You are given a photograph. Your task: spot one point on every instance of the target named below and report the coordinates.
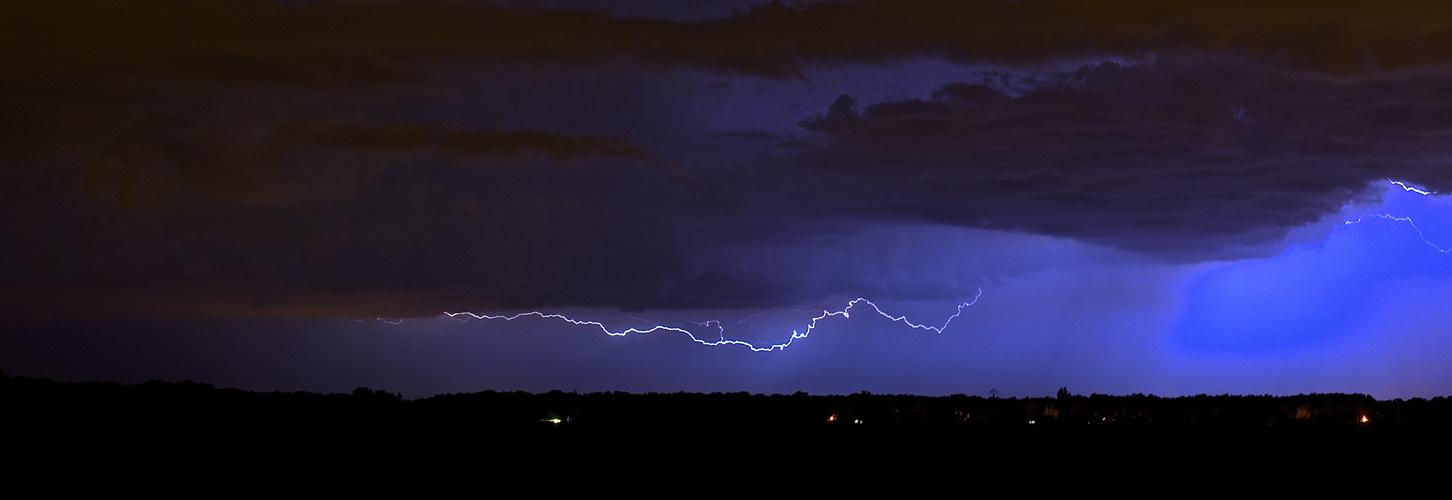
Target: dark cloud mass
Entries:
(335, 42)
(402, 158)
(1183, 154)
(404, 137)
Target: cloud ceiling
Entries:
(400, 158)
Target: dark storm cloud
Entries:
(1188, 153)
(334, 158)
(168, 197)
(505, 144)
(403, 241)
(362, 43)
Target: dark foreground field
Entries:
(195, 429)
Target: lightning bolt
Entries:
(394, 322)
(845, 312)
(721, 327)
(1413, 189)
(1408, 220)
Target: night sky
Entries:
(1143, 196)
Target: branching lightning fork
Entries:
(845, 312)
(1408, 220)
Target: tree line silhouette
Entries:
(190, 426)
(44, 400)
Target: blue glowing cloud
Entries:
(1312, 293)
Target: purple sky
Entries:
(1152, 197)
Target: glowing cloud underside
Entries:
(1315, 295)
(845, 313)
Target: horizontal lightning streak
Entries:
(812, 325)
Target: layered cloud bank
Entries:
(403, 158)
